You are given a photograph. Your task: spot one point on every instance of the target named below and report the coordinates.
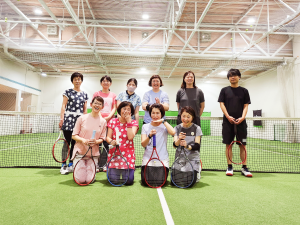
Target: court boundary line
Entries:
(164, 205)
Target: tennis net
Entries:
(273, 144)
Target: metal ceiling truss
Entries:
(170, 27)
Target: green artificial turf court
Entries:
(43, 196)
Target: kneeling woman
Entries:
(161, 129)
(128, 129)
(82, 133)
(188, 135)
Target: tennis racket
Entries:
(60, 149)
(102, 160)
(182, 173)
(85, 169)
(155, 172)
(117, 167)
(236, 149)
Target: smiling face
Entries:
(155, 83)
(155, 114)
(77, 82)
(186, 119)
(126, 110)
(189, 79)
(105, 84)
(96, 106)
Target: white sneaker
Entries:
(70, 169)
(64, 170)
(246, 172)
(104, 169)
(229, 172)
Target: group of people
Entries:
(78, 126)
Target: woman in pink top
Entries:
(128, 129)
(108, 111)
(83, 130)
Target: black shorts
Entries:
(228, 132)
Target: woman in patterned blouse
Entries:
(74, 105)
(130, 96)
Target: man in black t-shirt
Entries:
(234, 101)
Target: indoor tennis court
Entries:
(43, 42)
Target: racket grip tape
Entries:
(154, 140)
(93, 135)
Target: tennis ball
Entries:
(246, 29)
(250, 25)
(231, 38)
(5, 19)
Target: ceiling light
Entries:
(143, 69)
(145, 35)
(223, 73)
(38, 12)
(43, 74)
(145, 16)
(251, 20)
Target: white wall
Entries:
(52, 89)
(265, 95)
(18, 73)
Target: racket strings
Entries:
(182, 173)
(61, 151)
(84, 171)
(118, 170)
(155, 173)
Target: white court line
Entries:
(275, 152)
(164, 205)
(24, 146)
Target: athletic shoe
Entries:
(229, 172)
(104, 169)
(70, 168)
(64, 169)
(246, 172)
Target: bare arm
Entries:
(144, 104)
(62, 111)
(224, 110)
(85, 108)
(136, 113)
(166, 106)
(241, 119)
(111, 113)
(170, 129)
(202, 106)
(131, 132)
(80, 139)
(178, 105)
(146, 139)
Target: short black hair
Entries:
(105, 77)
(99, 99)
(153, 77)
(233, 72)
(189, 110)
(76, 74)
(157, 106)
(134, 81)
(124, 104)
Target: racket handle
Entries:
(93, 135)
(154, 140)
(117, 136)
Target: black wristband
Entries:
(148, 107)
(175, 144)
(149, 136)
(195, 146)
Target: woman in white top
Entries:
(161, 129)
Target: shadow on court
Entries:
(49, 172)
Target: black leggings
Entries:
(68, 137)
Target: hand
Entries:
(157, 100)
(231, 119)
(92, 142)
(182, 136)
(60, 124)
(152, 132)
(158, 121)
(113, 143)
(85, 141)
(239, 120)
(127, 116)
(183, 143)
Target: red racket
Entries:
(60, 149)
(236, 151)
(155, 172)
